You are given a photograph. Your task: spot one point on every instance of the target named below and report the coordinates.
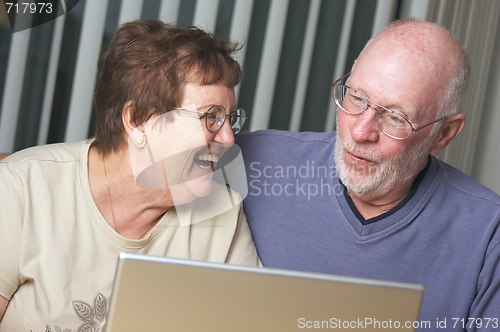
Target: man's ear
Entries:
(133, 131)
(449, 131)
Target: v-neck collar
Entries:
(397, 216)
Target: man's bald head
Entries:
(431, 51)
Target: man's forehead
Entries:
(403, 52)
(397, 84)
(379, 64)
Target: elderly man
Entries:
(372, 200)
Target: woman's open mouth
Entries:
(206, 161)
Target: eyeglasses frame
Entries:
(225, 116)
(337, 83)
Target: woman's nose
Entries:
(225, 133)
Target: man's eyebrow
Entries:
(399, 110)
(392, 107)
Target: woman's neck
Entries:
(130, 210)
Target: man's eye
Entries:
(355, 99)
(396, 119)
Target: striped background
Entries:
(293, 50)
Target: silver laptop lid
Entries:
(164, 294)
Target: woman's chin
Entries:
(200, 186)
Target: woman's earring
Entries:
(141, 141)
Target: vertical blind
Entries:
(292, 51)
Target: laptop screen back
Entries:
(159, 294)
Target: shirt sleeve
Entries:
(242, 251)
(484, 314)
(11, 224)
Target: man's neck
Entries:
(370, 208)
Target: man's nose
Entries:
(365, 128)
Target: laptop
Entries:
(165, 294)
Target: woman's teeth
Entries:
(207, 161)
(207, 157)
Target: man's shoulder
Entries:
(280, 141)
(272, 135)
(466, 186)
(286, 149)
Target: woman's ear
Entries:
(135, 133)
(448, 132)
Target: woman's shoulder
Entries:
(58, 152)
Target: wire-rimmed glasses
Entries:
(216, 116)
(390, 123)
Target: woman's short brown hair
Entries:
(148, 63)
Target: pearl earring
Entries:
(141, 141)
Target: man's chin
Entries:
(358, 188)
(363, 185)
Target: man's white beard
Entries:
(382, 178)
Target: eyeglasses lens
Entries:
(237, 120)
(393, 124)
(215, 118)
(351, 102)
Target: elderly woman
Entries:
(166, 112)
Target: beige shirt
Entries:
(58, 255)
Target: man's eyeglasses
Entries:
(390, 123)
(216, 115)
